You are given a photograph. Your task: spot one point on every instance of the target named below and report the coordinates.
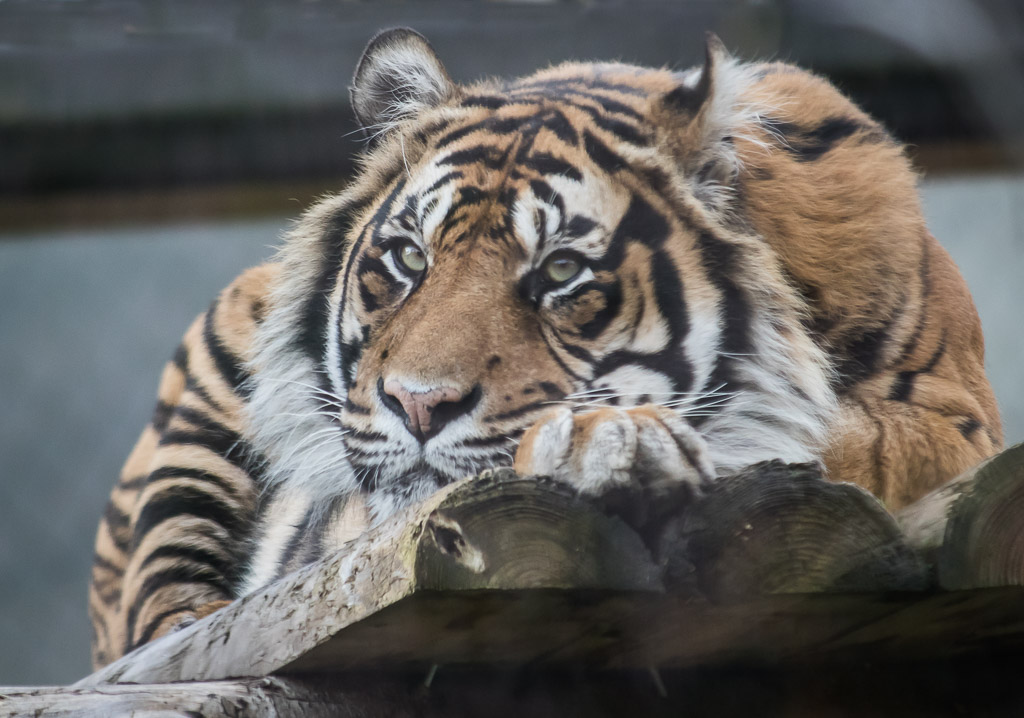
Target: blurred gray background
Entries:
(149, 151)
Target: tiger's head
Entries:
(568, 237)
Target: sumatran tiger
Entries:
(607, 274)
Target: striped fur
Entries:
(751, 278)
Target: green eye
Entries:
(561, 267)
(412, 257)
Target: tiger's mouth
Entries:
(422, 465)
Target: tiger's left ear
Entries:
(398, 76)
(702, 112)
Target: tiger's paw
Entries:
(603, 451)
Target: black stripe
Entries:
(210, 435)
(668, 294)
(622, 130)
(582, 86)
(575, 351)
(351, 351)
(551, 390)
(808, 145)
(312, 331)
(147, 634)
(719, 259)
(373, 265)
(133, 484)
(556, 121)
(558, 360)
(578, 226)
(161, 415)
(224, 565)
(493, 125)
(105, 565)
(490, 102)
(173, 576)
(641, 223)
(614, 106)
(601, 155)
(485, 441)
(120, 525)
(515, 413)
(354, 408)
(192, 385)
(548, 164)
(904, 383)
(486, 155)
(190, 501)
(469, 195)
(180, 359)
(720, 262)
(190, 472)
(228, 365)
(546, 193)
(296, 539)
(368, 436)
(445, 179)
(860, 356)
(612, 294)
(968, 426)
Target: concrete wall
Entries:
(87, 320)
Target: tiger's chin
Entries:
(389, 494)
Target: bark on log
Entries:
(282, 698)
(972, 529)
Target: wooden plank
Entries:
(282, 698)
(637, 630)
(983, 685)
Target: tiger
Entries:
(615, 276)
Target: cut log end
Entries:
(983, 545)
(778, 528)
(506, 531)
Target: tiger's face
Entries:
(555, 243)
(514, 264)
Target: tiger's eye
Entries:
(561, 268)
(412, 257)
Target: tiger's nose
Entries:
(426, 412)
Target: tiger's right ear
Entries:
(398, 77)
(704, 112)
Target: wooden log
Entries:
(496, 531)
(510, 570)
(972, 529)
(777, 528)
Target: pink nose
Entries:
(419, 407)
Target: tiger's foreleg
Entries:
(901, 450)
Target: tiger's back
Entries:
(753, 278)
(885, 299)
